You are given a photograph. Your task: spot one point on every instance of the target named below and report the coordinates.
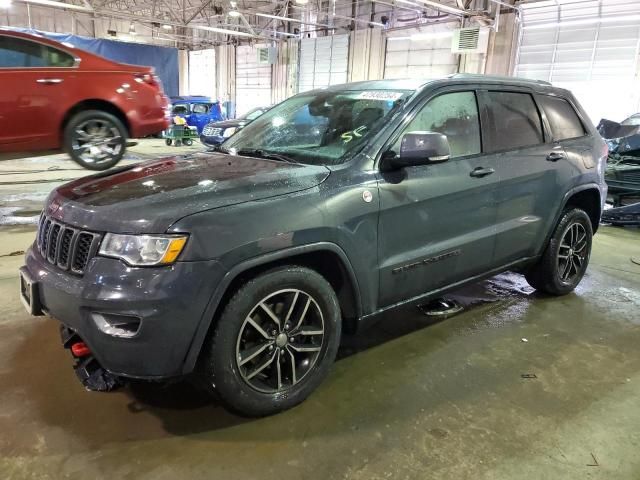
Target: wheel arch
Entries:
(328, 259)
(95, 104)
(588, 199)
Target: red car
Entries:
(54, 96)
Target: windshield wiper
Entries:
(259, 153)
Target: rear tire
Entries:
(565, 260)
(294, 353)
(95, 140)
(188, 142)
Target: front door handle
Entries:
(555, 156)
(49, 81)
(481, 172)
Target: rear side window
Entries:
(20, 53)
(516, 120)
(563, 120)
(200, 108)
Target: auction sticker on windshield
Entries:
(383, 95)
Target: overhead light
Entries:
(302, 2)
(132, 29)
(167, 27)
(234, 13)
(5, 3)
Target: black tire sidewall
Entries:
(87, 115)
(221, 368)
(552, 279)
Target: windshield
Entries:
(324, 128)
(253, 114)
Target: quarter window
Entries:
(454, 115)
(563, 120)
(20, 53)
(516, 121)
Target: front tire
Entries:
(565, 260)
(95, 140)
(274, 342)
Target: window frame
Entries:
(554, 140)
(417, 108)
(491, 131)
(76, 59)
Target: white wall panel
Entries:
(590, 47)
(421, 52)
(323, 61)
(253, 80)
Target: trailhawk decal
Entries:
(426, 261)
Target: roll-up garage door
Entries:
(323, 61)
(202, 73)
(590, 47)
(422, 52)
(253, 79)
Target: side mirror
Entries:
(421, 148)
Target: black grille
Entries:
(66, 247)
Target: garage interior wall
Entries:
(323, 61)
(423, 52)
(202, 73)
(366, 55)
(591, 47)
(253, 79)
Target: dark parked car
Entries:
(245, 265)
(217, 132)
(197, 110)
(55, 96)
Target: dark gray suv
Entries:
(243, 266)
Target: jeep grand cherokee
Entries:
(243, 266)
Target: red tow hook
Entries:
(80, 349)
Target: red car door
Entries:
(33, 94)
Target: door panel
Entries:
(436, 227)
(28, 110)
(437, 221)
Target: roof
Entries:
(417, 83)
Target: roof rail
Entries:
(499, 78)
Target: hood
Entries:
(149, 197)
(236, 122)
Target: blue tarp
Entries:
(163, 59)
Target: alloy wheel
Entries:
(573, 252)
(280, 340)
(97, 141)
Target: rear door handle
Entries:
(49, 81)
(481, 172)
(555, 156)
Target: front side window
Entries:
(325, 128)
(515, 119)
(21, 53)
(454, 115)
(563, 120)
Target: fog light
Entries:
(122, 326)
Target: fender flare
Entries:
(214, 302)
(565, 200)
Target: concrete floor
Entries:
(408, 399)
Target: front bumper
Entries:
(211, 141)
(169, 301)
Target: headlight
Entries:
(143, 250)
(228, 132)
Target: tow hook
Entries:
(88, 370)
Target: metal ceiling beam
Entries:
(287, 19)
(204, 5)
(446, 8)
